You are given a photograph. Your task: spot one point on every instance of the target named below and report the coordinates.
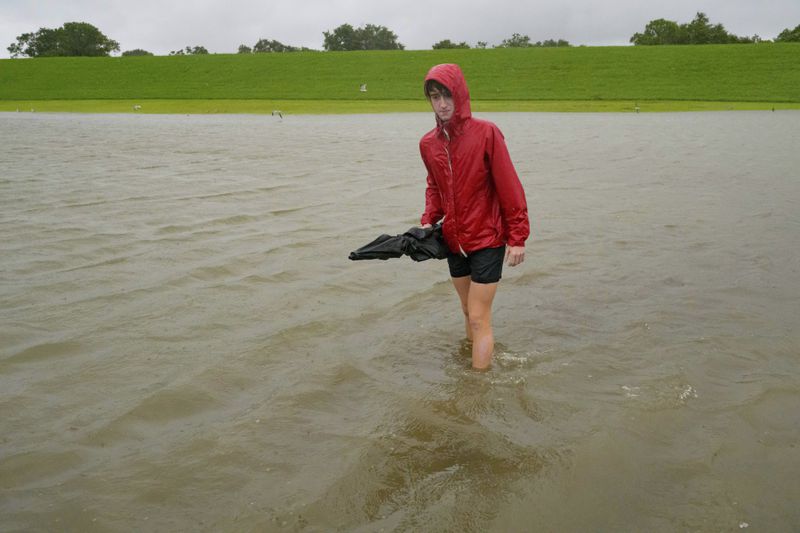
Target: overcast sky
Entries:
(221, 26)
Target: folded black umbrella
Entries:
(417, 243)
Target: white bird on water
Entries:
(277, 112)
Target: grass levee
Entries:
(658, 78)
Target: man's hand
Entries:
(426, 226)
(514, 255)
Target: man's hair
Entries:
(433, 84)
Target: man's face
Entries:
(442, 105)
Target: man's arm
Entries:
(433, 199)
(513, 205)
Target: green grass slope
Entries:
(766, 73)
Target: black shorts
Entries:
(483, 266)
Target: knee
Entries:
(478, 321)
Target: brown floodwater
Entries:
(184, 345)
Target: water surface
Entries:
(185, 346)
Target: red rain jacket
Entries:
(471, 179)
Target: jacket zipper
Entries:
(452, 188)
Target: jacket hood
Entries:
(450, 75)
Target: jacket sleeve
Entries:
(513, 205)
(433, 199)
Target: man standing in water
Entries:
(473, 185)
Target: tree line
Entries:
(71, 39)
(699, 31)
(84, 39)
(515, 41)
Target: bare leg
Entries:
(479, 305)
(462, 288)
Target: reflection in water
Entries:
(442, 463)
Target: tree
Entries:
(374, 37)
(244, 49)
(701, 31)
(481, 44)
(789, 36)
(266, 46)
(83, 39)
(190, 51)
(39, 44)
(659, 31)
(516, 41)
(136, 52)
(447, 43)
(552, 43)
(340, 39)
(369, 37)
(71, 39)
(698, 31)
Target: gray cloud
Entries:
(160, 26)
